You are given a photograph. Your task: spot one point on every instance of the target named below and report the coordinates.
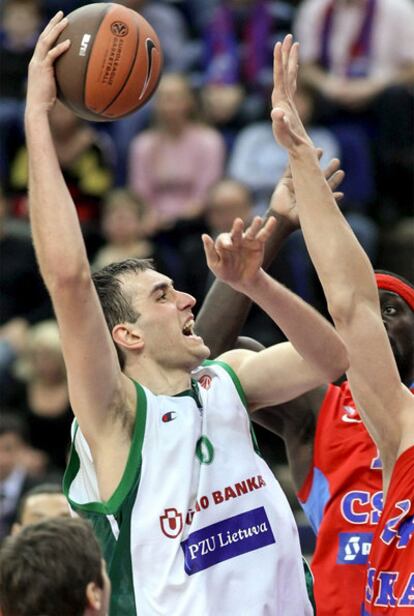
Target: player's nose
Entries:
(185, 300)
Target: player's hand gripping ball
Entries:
(113, 65)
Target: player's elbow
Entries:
(334, 361)
(67, 278)
(341, 305)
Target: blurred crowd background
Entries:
(200, 153)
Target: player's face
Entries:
(166, 321)
(399, 322)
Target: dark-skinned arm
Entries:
(224, 311)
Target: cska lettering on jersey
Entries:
(226, 539)
(394, 588)
(386, 595)
(358, 507)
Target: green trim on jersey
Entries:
(116, 551)
(132, 468)
(233, 375)
(240, 391)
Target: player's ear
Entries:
(128, 336)
(94, 596)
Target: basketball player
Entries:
(53, 567)
(333, 461)
(163, 461)
(383, 402)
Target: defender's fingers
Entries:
(292, 69)
(286, 47)
(335, 179)
(332, 167)
(236, 232)
(209, 249)
(252, 231)
(267, 229)
(338, 196)
(278, 85)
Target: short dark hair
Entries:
(116, 305)
(42, 488)
(45, 569)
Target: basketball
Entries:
(113, 64)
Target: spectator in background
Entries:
(180, 54)
(23, 296)
(45, 500)
(38, 391)
(86, 158)
(15, 481)
(259, 161)
(173, 164)
(227, 199)
(54, 567)
(127, 232)
(359, 57)
(238, 41)
(20, 24)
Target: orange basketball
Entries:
(113, 64)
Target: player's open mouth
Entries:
(188, 329)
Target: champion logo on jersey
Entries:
(170, 416)
(205, 381)
(351, 415)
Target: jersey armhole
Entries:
(242, 395)
(132, 468)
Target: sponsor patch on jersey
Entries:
(226, 539)
(354, 548)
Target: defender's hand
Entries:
(237, 257)
(287, 126)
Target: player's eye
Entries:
(389, 310)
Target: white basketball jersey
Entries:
(198, 524)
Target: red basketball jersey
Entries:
(342, 498)
(390, 575)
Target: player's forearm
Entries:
(56, 232)
(342, 266)
(312, 335)
(224, 310)
(221, 317)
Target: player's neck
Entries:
(159, 379)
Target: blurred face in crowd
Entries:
(174, 100)
(228, 200)
(11, 449)
(122, 223)
(21, 21)
(63, 121)
(41, 506)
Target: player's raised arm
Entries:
(346, 275)
(94, 373)
(224, 310)
(315, 353)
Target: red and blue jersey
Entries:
(390, 575)
(342, 497)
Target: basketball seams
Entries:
(131, 69)
(109, 70)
